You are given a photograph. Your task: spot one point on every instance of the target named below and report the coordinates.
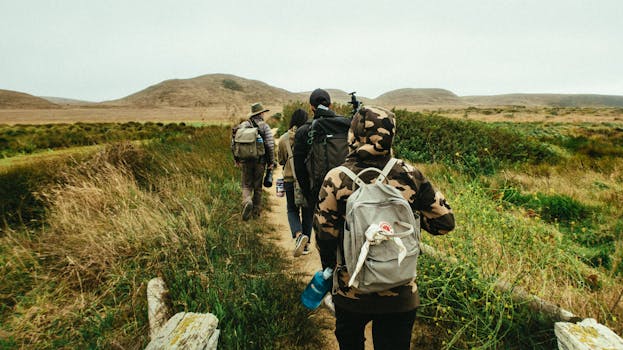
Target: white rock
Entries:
(187, 330)
(157, 311)
(586, 335)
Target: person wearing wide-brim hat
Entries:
(253, 169)
(256, 109)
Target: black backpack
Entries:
(328, 141)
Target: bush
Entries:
(552, 208)
(290, 107)
(232, 85)
(26, 139)
(470, 146)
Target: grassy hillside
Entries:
(411, 97)
(18, 100)
(111, 222)
(205, 91)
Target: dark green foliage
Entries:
(550, 207)
(288, 110)
(19, 185)
(470, 146)
(26, 139)
(576, 222)
(290, 107)
(232, 85)
(474, 314)
(18, 279)
(591, 140)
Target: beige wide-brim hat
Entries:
(256, 109)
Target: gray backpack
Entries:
(381, 234)
(248, 142)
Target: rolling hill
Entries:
(412, 97)
(19, 100)
(226, 90)
(205, 91)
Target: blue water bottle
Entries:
(319, 285)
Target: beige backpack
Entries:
(248, 142)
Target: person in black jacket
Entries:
(320, 103)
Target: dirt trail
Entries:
(305, 265)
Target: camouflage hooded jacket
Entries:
(370, 139)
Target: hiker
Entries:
(299, 216)
(253, 147)
(391, 310)
(325, 135)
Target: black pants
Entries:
(389, 331)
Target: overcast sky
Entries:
(101, 50)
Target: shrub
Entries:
(26, 139)
(471, 146)
(232, 85)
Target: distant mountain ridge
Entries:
(20, 100)
(66, 101)
(226, 89)
(554, 100)
(230, 90)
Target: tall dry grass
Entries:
(127, 215)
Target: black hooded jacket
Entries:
(300, 151)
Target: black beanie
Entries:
(320, 97)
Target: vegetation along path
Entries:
(305, 265)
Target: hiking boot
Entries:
(246, 211)
(299, 245)
(306, 249)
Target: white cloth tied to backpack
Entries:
(377, 234)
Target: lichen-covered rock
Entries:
(187, 330)
(586, 335)
(157, 310)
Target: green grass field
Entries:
(537, 205)
(76, 277)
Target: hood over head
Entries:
(371, 133)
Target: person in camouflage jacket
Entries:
(393, 311)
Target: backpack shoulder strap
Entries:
(254, 123)
(290, 157)
(313, 130)
(386, 169)
(382, 173)
(356, 180)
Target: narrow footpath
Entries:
(304, 266)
